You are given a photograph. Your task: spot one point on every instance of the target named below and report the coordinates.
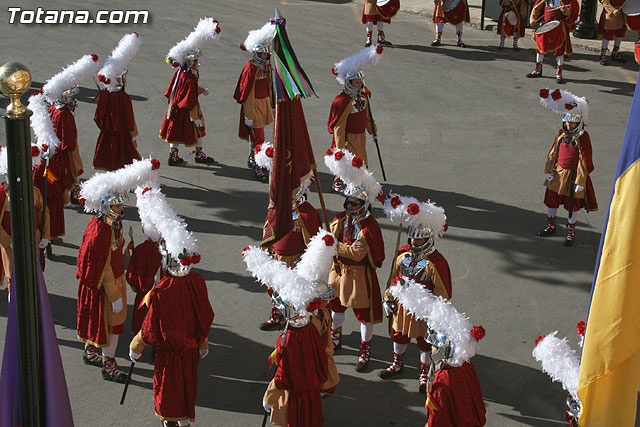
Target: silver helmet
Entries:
(349, 88)
(573, 117)
(107, 203)
(325, 292)
(191, 58)
(360, 194)
(121, 80)
(294, 319)
(171, 264)
(68, 98)
(421, 233)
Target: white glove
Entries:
(579, 188)
(43, 243)
(248, 122)
(387, 308)
(204, 352)
(116, 306)
(198, 123)
(205, 92)
(134, 356)
(9, 297)
(133, 139)
(267, 406)
(548, 176)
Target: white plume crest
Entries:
(120, 57)
(159, 221)
(559, 361)
(429, 215)
(137, 174)
(69, 77)
(315, 263)
(440, 315)
(261, 37)
(368, 56)
(351, 175)
(566, 103)
(43, 126)
(208, 29)
(261, 157)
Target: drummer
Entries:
(454, 12)
(565, 12)
(612, 26)
(512, 21)
(378, 12)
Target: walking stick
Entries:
(375, 138)
(126, 384)
(264, 419)
(572, 191)
(44, 206)
(395, 254)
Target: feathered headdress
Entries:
(295, 286)
(140, 173)
(47, 140)
(366, 57)
(562, 101)
(559, 361)
(412, 212)
(160, 222)
(351, 169)
(117, 62)
(262, 37)
(441, 316)
(208, 29)
(264, 155)
(69, 77)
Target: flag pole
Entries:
(15, 80)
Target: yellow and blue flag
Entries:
(608, 382)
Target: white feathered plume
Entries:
(441, 316)
(366, 57)
(317, 260)
(262, 37)
(264, 155)
(69, 77)
(42, 126)
(208, 29)
(562, 101)
(411, 211)
(117, 62)
(140, 173)
(559, 361)
(351, 169)
(159, 221)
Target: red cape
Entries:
(303, 369)
(439, 262)
(457, 397)
(141, 271)
(92, 257)
(178, 321)
(293, 242)
(338, 106)
(178, 127)
(115, 119)
(245, 82)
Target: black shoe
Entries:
(618, 57)
(48, 251)
(435, 43)
(384, 43)
(361, 367)
(175, 161)
(385, 373)
(569, 242)
(534, 74)
(460, 43)
(500, 47)
(559, 80)
(205, 160)
(422, 389)
(271, 326)
(516, 49)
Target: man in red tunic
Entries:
(143, 266)
(569, 164)
(177, 324)
(254, 92)
(420, 261)
(64, 166)
(102, 293)
(374, 15)
(360, 253)
(613, 26)
(512, 9)
(440, 17)
(184, 122)
(545, 11)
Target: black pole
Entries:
(587, 27)
(24, 279)
(482, 14)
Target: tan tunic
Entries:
(611, 21)
(561, 182)
(354, 142)
(259, 110)
(114, 288)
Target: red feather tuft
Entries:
(155, 164)
(544, 93)
(328, 240)
(94, 57)
(333, 71)
(379, 50)
(556, 94)
(540, 338)
(478, 333)
(413, 209)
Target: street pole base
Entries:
(586, 30)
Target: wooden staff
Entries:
(336, 263)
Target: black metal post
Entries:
(587, 26)
(25, 279)
(484, 2)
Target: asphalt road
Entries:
(462, 127)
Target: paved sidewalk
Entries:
(425, 8)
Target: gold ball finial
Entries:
(15, 79)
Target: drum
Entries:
(454, 10)
(631, 10)
(549, 37)
(510, 22)
(387, 8)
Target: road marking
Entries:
(627, 75)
